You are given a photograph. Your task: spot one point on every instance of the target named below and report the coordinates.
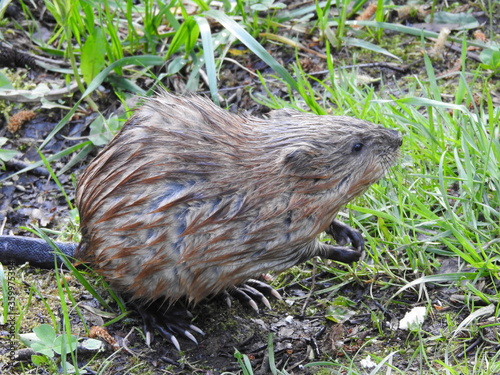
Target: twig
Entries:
(19, 165)
(28, 96)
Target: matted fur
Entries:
(190, 200)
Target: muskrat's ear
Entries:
(300, 160)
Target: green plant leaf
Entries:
(143, 60)
(244, 362)
(187, 36)
(3, 6)
(176, 65)
(270, 351)
(425, 102)
(490, 59)
(51, 158)
(46, 334)
(93, 344)
(28, 338)
(93, 54)
(41, 340)
(5, 82)
(464, 20)
(40, 360)
(103, 130)
(339, 313)
(353, 42)
(245, 38)
(449, 277)
(410, 31)
(61, 344)
(42, 349)
(6, 155)
(124, 84)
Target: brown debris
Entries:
(367, 13)
(17, 120)
(411, 11)
(437, 49)
(103, 333)
(454, 69)
(478, 35)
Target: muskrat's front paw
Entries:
(252, 292)
(342, 254)
(170, 323)
(343, 234)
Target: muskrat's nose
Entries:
(397, 134)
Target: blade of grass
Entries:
(353, 42)
(270, 350)
(5, 294)
(50, 159)
(245, 38)
(56, 180)
(412, 31)
(449, 277)
(208, 56)
(483, 311)
(69, 265)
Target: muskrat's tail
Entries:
(35, 251)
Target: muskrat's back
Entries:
(189, 200)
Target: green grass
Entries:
(442, 202)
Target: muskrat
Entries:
(189, 200)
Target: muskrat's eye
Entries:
(357, 147)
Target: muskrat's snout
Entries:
(393, 139)
(398, 136)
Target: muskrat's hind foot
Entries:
(343, 234)
(252, 292)
(170, 322)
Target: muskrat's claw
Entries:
(264, 288)
(248, 296)
(241, 296)
(252, 292)
(343, 233)
(176, 325)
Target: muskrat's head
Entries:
(337, 155)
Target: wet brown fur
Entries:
(189, 200)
